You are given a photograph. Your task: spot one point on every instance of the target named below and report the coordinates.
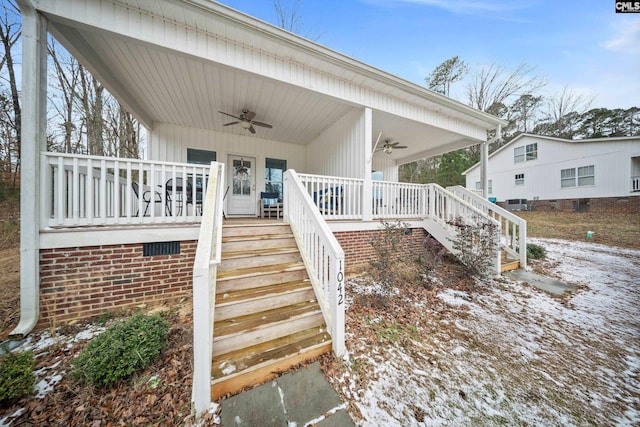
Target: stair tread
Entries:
(234, 297)
(256, 271)
(250, 322)
(259, 252)
(237, 362)
(247, 237)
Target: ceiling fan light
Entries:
(387, 149)
(245, 124)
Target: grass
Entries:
(612, 229)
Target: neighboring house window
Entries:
(519, 179)
(532, 151)
(526, 153)
(273, 176)
(586, 175)
(518, 154)
(568, 178)
(201, 157)
(479, 186)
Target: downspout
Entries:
(32, 142)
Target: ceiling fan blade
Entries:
(230, 115)
(230, 123)
(400, 146)
(251, 129)
(394, 144)
(264, 125)
(249, 115)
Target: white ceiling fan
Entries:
(246, 120)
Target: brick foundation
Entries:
(80, 283)
(629, 204)
(358, 250)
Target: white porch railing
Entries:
(335, 197)
(79, 190)
(445, 207)
(207, 259)
(321, 252)
(513, 236)
(635, 184)
(398, 200)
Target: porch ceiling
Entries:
(164, 85)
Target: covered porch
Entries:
(234, 107)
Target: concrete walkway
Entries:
(297, 399)
(547, 284)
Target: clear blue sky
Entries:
(584, 45)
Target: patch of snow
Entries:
(227, 367)
(6, 421)
(516, 355)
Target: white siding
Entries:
(169, 143)
(612, 161)
(388, 167)
(339, 151)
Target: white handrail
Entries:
(513, 237)
(80, 190)
(444, 208)
(321, 253)
(207, 259)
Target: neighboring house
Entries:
(548, 173)
(233, 107)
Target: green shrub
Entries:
(535, 251)
(122, 349)
(16, 375)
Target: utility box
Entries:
(516, 205)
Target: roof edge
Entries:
(554, 138)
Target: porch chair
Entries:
(146, 198)
(270, 204)
(329, 201)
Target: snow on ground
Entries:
(510, 354)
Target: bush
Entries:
(16, 375)
(535, 251)
(386, 265)
(122, 349)
(476, 245)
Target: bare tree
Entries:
(10, 32)
(67, 73)
(491, 88)
(564, 111)
(288, 17)
(91, 99)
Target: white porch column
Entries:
(367, 187)
(32, 142)
(484, 154)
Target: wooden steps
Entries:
(267, 318)
(508, 264)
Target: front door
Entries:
(242, 179)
